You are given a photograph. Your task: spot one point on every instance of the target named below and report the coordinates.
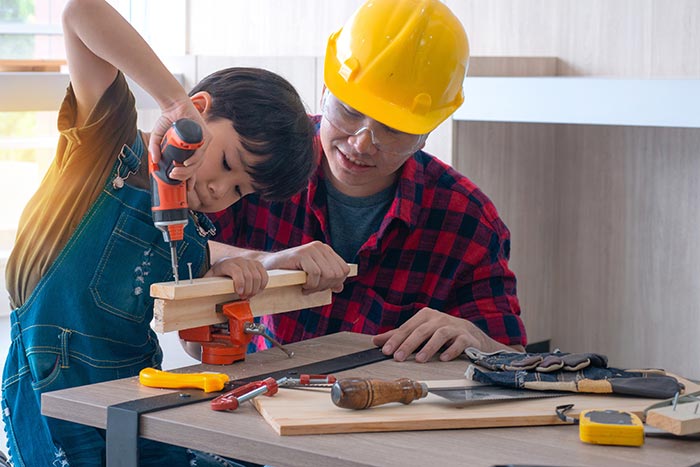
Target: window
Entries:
(31, 43)
(31, 29)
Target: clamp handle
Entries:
(233, 399)
(207, 382)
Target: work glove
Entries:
(543, 362)
(584, 372)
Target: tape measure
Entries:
(612, 427)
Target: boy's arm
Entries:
(99, 41)
(325, 269)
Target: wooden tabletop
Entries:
(245, 435)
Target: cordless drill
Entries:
(168, 196)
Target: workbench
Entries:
(245, 435)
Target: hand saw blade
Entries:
(462, 397)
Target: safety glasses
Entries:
(353, 123)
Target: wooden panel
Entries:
(309, 412)
(193, 303)
(266, 27)
(514, 166)
(512, 66)
(674, 39)
(31, 65)
(173, 315)
(624, 38)
(684, 419)
(602, 222)
(207, 286)
(627, 268)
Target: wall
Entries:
(611, 210)
(624, 38)
(603, 218)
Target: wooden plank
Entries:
(207, 286)
(684, 420)
(173, 315)
(31, 65)
(297, 412)
(512, 66)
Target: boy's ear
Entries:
(202, 101)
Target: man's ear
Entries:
(202, 101)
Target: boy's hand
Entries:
(249, 276)
(173, 113)
(325, 269)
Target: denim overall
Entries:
(88, 320)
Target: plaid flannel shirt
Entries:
(440, 245)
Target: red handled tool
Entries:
(215, 382)
(168, 196)
(233, 399)
(268, 387)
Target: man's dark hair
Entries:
(271, 121)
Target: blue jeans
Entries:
(88, 321)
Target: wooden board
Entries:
(191, 304)
(305, 412)
(683, 420)
(173, 315)
(208, 286)
(31, 65)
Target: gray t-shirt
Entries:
(352, 220)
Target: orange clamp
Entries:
(228, 346)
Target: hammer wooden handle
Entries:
(362, 393)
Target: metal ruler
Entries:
(123, 418)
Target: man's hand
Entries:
(324, 268)
(249, 276)
(436, 329)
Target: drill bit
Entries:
(173, 257)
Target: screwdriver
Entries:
(168, 196)
(362, 393)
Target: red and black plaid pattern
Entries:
(441, 245)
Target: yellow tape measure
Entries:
(613, 427)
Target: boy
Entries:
(87, 250)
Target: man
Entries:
(432, 252)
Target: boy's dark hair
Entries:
(271, 121)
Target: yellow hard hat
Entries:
(400, 62)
